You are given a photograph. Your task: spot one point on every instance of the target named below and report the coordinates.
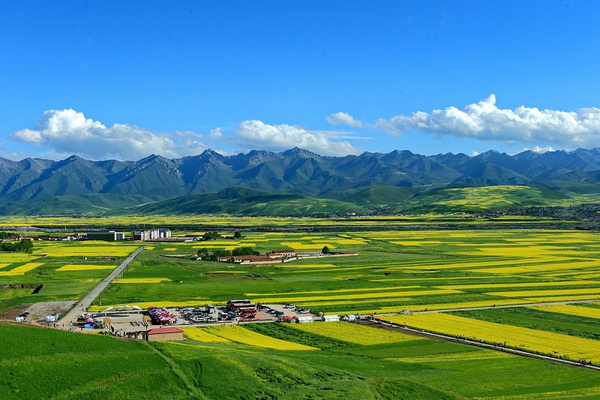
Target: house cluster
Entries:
(273, 257)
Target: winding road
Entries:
(71, 316)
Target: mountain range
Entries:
(369, 181)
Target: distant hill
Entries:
(371, 182)
(243, 201)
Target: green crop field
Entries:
(56, 364)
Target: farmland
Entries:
(395, 270)
(454, 271)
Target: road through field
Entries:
(80, 307)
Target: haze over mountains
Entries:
(369, 180)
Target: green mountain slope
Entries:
(243, 201)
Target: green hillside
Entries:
(487, 198)
(242, 201)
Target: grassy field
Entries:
(58, 364)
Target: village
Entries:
(166, 323)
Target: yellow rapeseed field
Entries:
(432, 306)
(141, 280)
(454, 357)
(514, 285)
(552, 292)
(296, 265)
(334, 291)
(578, 311)
(21, 270)
(559, 345)
(203, 336)
(87, 251)
(542, 266)
(84, 267)
(306, 246)
(14, 257)
(354, 333)
(408, 293)
(238, 334)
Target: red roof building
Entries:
(166, 333)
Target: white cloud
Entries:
(255, 134)
(538, 149)
(66, 132)
(217, 133)
(485, 121)
(342, 118)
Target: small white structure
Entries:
(51, 318)
(305, 319)
(350, 318)
(330, 318)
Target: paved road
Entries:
(80, 307)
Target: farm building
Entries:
(166, 333)
(330, 318)
(303, 319)
(279, 254)
(110, 236)
(249, 259)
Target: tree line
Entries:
(22, 246)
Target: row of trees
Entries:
(214, 235)
(213, 255)
(23, 246)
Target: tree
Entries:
(244, 251)
(211, 235)
(218, 253)
(203, 254)
(237, 235)
(325, 250)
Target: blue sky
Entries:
(127, 79)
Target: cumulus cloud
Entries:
(485, 121)
(538, 149)
(342, 118)
(66, 132)
(256, 134)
